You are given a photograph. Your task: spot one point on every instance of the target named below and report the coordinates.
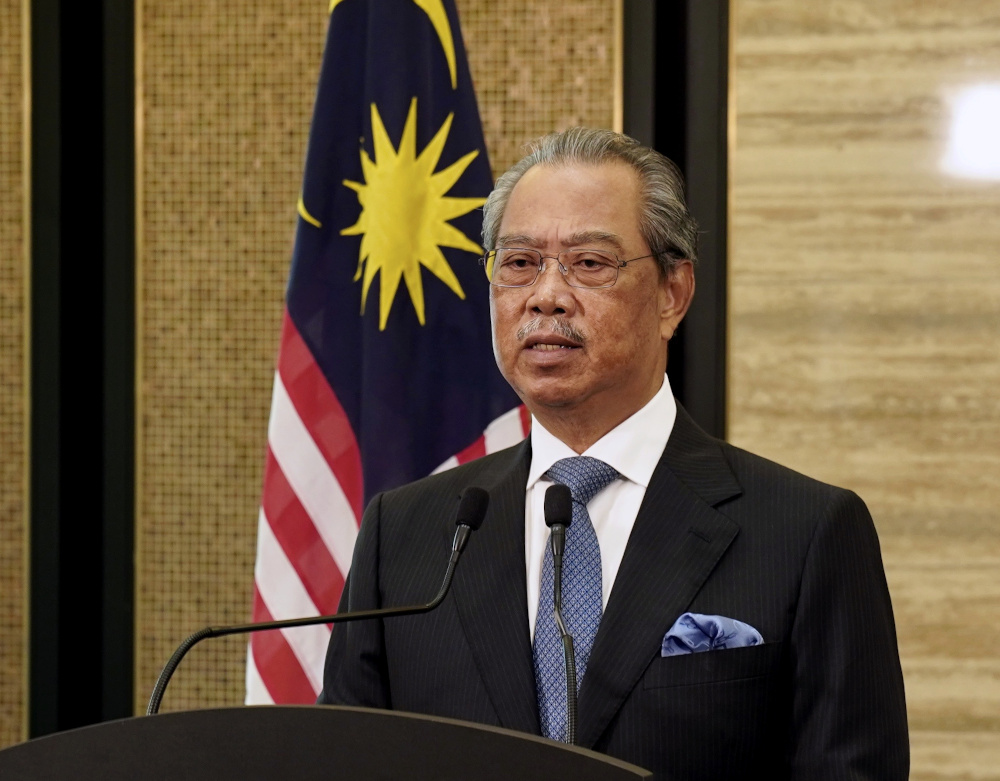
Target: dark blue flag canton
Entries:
(385, 286)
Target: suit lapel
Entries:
(676, 541)
(491, 598)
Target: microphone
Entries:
(471, 511)
(558, 516)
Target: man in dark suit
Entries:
(769, 582)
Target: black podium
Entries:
(303, 742)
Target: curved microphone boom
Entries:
(558, 516)
(471, 511)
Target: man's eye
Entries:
(519, 261)
(590, 262)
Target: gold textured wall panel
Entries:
(865, 315)
(538, 67)
(226, 93)
(13, 413)
(225, 105)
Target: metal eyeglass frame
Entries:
(564, 270)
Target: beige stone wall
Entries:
(865, 315)
(227, 91)
(13, 411)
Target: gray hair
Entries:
(664, 221)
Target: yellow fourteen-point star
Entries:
(405, 213)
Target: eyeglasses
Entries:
(520, 267)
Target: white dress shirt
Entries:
(633, 448)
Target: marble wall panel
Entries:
(865, 319)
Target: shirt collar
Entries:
(633, 447)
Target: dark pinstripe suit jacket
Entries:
(720, 531)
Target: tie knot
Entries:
(585, 476)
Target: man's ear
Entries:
(676, 292)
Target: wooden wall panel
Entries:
(865, 314)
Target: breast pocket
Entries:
(730, 664)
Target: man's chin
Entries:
(554, 399)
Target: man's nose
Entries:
(551, 292)
(552, 268)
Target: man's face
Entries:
(593, 356)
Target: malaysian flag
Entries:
(385, 371)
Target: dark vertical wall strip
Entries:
(638, 72)
(119, 355)
(81, 357)
(45, 367)
(706, 165)
(676, 96)
(81, 373)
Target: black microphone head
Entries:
(472, 507)
(558, 505)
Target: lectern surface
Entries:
(305, 742)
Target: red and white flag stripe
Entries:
(311, 508)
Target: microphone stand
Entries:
(558, 537)
(558, 516)
(470, 516)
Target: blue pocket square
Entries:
(694, 632)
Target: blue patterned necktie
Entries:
(581, 593)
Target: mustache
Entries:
(551, 325)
